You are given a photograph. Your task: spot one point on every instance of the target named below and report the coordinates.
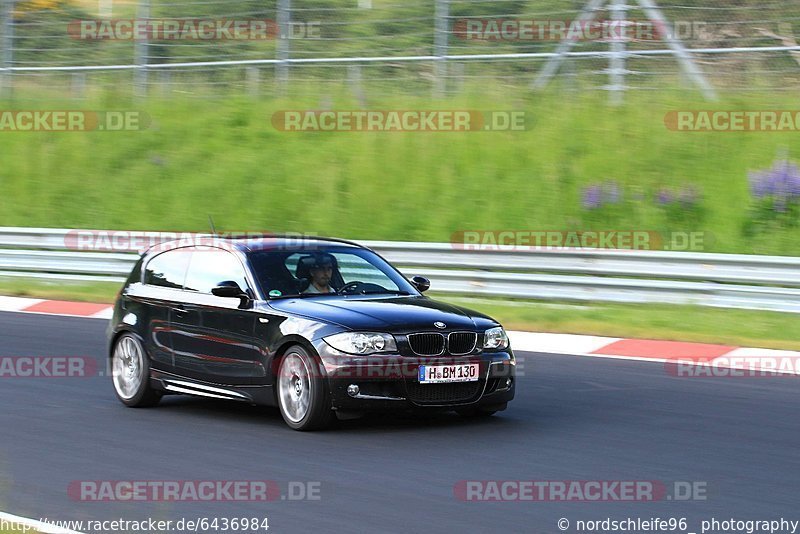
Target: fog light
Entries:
(508, 382)
(353, 390)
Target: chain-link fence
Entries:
(408, 45)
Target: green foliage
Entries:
(224, 157)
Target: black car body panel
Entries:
(409, 314)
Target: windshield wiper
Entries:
(385, 292)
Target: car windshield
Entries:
(325, 271)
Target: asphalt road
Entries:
(574, 419)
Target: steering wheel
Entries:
(362, 288)
(350, 288)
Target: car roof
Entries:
(290, 242)
(250, 243)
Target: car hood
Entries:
(394, 314)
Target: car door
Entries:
(159, 292)
(213, 336)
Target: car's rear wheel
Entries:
(302, 394)
(130, 371)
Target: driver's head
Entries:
(321, 270)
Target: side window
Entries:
(168, 269)
(209, 268)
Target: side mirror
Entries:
(421, 283)
(230, 289)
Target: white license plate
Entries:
(438, 374)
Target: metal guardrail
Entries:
(721, 280)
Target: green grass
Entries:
(685, 323)
(222, 157)
(205, 155)
(61, 290)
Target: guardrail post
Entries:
(284, 20)
(164, 82)
(78, 84)
(6, 81)
(440, 42)
(252, 80)
(616, 67)
(566, 45)
(685, 59)
(354, 79)
(140, 50)
(105, 8)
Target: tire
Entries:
(130, 373)
(303, 397)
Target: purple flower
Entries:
(788, 178)
(665, 196)
(794, 181)
(782, 182)
(592, 197)
(758, 185)
(612, 193)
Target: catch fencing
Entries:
(609, 45)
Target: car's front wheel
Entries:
(302, 396)
(130, 371)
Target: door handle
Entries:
(180, 311)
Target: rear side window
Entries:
(209, 268)
(168, 269)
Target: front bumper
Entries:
(391, 382)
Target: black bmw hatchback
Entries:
(320, 328)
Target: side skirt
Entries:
(178, 385)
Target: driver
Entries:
(321, 273)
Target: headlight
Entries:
(495, 338)
(361, 342)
